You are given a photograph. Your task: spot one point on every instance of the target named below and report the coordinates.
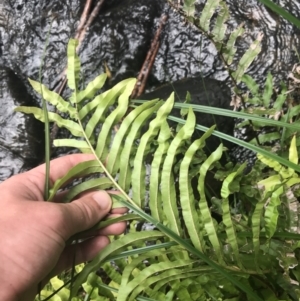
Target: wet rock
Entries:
(119, 37)
(206, 92)
(11, 164)
(21, 136)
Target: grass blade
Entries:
(281, 12)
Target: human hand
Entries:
(33, 233)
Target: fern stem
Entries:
(101, 164)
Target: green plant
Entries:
(205, 251)
(242, 244)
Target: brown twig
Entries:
(149, 61)
(83, 18)
(84, 23)
(88, 23)
(145, 72)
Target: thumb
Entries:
(85, 212)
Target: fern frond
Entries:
(247, 58)
(116, 115)
(72, 126)
(144, 136)
(190, 214)
(230, 49)
(189, 8)
(207, 13)
(129, 151)
(203, 205)
(139, 168)
(167, 183)
(113, 247)
(155, 197)
(220, 27)
(54, 98)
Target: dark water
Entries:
(120, 37)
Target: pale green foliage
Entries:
(191, 256)
(271, 105)
(276, 185)
(189, 8)
(224, 44)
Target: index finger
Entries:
(60, 166)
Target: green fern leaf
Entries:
(92, 88)
(54, 98)
(72, 126)
(133, 268)
(113, 159)
(155, 202)
(113, 119)
(189, 8)
(126, 155)
(255, 226)
(230, 231)
(92, 184)
(225, 190)
(113, 247)
(280, 98)
(247, 58)
(268, 90)
(230, 50)
(250, 83)
(165, 278)
(79, 144)
(111, 272)
(73, 70)
(167, 182)
(139, 283)
(220, 26)
(81, 169)
(139, 169)
(205, 212)
(293, 153)
(189, 211)
(271, 212)
(207, 12)
(102, 103)
(226, 217)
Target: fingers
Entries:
(114, 229)
(88, 249)
(58, 168)
(84, 213)
(31, 183)
(81, 252)
(59, 198)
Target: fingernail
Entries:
(103, 199)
